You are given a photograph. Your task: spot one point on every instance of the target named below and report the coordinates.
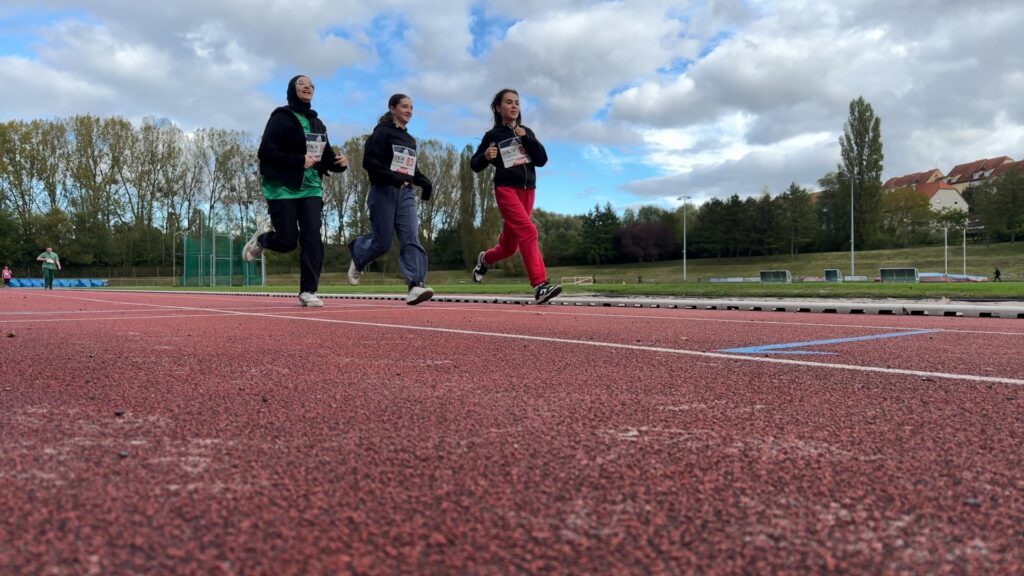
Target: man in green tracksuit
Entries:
(50, 262)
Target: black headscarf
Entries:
(294, 103)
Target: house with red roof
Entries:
(912, 180)
(965, 175)
(941, 195)
(1003, 168)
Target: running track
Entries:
(213, 434)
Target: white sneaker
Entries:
(354, 273)
(252, 249)
(310, 299)
(418, 294)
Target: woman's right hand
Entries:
(310, 161)
(492, 152)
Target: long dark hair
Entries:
(496, 102)
(388, 117)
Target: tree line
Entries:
(113, 197)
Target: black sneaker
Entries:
(480, 269)
(546, 291)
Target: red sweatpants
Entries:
(517, 232)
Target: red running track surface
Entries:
(179, 434)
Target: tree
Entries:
(861, 148)
(643, 241)
(906, 217)
(599, 227)
(797, 222)
(559, 235)
(1002, 206)
(707, 235)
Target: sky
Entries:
(638, 102)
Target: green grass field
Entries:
(665, 278)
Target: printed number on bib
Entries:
(315, 144)
(513, 153)
(404, 160)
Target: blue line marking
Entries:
(785, 348)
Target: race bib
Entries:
(315, 144)
(513, 153)
(404, 160)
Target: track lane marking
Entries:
(611, 345)
(788, 348)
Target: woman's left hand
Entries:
(519, 131)
(341, 160)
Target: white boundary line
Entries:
(610, 345)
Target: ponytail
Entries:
(388, 117)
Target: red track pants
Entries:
(517, 232)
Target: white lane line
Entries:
(169, 316)
(145, 311)
(618, 346)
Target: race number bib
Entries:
(315, 144)
(513, 153)
(404, 160)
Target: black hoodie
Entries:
(379, 158)
(523, 175)
(282, 152)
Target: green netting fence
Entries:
(216, 260)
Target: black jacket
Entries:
(521, 176)
(282, 151)
(379, 152)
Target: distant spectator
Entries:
(51, 262)
(7, 277)
(997, 277)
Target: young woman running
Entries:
(515, 153)
(294, 155)
(389, 158)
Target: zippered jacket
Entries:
(282, 152)
(389, 158)
(517, 159)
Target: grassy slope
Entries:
(665, 278)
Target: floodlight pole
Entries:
(684, 199)
(174, 256)
(965, 248)
(945, 247)
(853, 176)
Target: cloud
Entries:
(720, 96)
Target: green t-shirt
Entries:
(311, 185)
(52, 256)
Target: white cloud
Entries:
(718, 96)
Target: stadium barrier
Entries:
(60, 282)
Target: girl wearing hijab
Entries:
(389, 158)
(514, 151)
(294, 155)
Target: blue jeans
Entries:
(392, 211)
